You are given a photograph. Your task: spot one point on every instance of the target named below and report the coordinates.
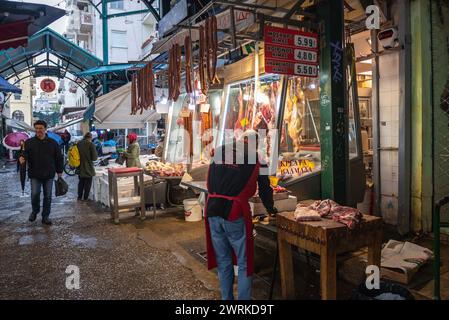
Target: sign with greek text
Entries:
(291, 52)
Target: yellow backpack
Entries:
(74, 156)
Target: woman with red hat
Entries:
(133, 152)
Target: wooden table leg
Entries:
(328, 273)
(142, 197)
(375, 250)
(286, 267)
(154, 198)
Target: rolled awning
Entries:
(113, 111)
(109, 68)
(5, 86)
(66, 124)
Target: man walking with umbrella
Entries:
(44, 159)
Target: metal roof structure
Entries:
(59, 52)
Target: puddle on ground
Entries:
(8, 213)
(31, 239)
(87, 242)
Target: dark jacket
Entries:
(88, 154)
(43, 157)
(230, 180)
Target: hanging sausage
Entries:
(177, 72)
(150, 86)
(212, 50)
(201, 65)
(133, 94)
(188, 54)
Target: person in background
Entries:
(88, 154)
(20, 153)
(159, 151)
(44, 159)
(133, 152)
(96, 141)
(67, 138)
(228, 214)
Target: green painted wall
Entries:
(430, 38)
(440, 73)
(421, 102)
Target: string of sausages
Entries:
(174, 73)
(188, 55)
(202, 66)
(212, 50)
(142, 90)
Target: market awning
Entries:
(5, 86)
(60, 52)
(66, 124)
(18, 125)
(21, 20)
(112, 111)
(110, 68)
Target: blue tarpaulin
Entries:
(5, 86)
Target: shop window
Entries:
(18, 115)
(118, 5)
(248, 107)
(178, 140)
(299, 151)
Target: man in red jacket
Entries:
(228, 214)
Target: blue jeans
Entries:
(227, 235)
(46, 185)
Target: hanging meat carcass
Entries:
(295, 100)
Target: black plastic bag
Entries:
(61, 187)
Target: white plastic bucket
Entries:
(192, 210)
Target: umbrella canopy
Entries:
(12, 140)
(5, 86)
(23, 20)
(55, 137)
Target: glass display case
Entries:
(299, 125)
(192, 128)
(250, 107)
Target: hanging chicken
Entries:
(293, 117)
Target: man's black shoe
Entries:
(32, 217)
(46, 221)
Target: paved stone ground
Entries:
(115, 262)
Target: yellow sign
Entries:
(244, 122)
(296, 167)
(273, 181)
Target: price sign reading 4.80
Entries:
(292, 52)
(306, 56)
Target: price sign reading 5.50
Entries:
(306, 70)
(305, 55)
(306, 42)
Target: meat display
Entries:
(165, 169)
(142, 90)
(329, 209)
(293, 116)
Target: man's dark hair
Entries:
(40, 122)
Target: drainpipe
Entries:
(376, 127)
(104, 19)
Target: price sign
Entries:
(291, 52)
(306, 70)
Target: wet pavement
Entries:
(126, 261)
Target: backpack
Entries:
(74, 156)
